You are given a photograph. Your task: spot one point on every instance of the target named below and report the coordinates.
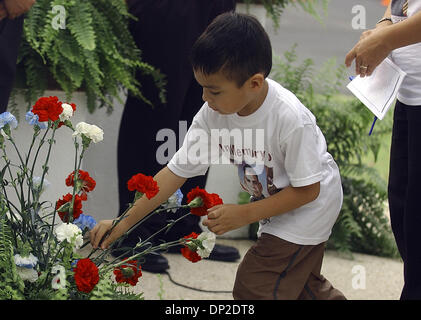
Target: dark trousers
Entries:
(165, 32)
(404, 194)
(10, 36)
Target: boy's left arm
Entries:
(226, 217)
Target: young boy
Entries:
(231, 61)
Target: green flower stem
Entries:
(30, 177)
(158, 211)
(122, 216)
(168, 227)
(145, 252)
(44, 171)
(36, 200)
(42, 141)
(7, 161)
(47, 256)
(144, 242)
(34, 137)
(8, 202)
(17, 151)
(37, 193)
(25, 168)
(196, 202)
(143, 220)
(75, 177)
(48, 266)
(20, 178)
(37, 204)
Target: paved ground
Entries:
(334, 37)
(363, 278)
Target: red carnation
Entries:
(143, 184)
(216, 199)
(187, 252)
(128, 273)
(47, 108)
(86, 275)
(77, 207)
(208, 201)
(87, 184)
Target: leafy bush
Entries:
(362, 225)
(95, 52)
(274, 8)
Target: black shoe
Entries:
(224, 253)
(153, 262)
(219, 253)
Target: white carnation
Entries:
(36, 181)
(67, 112)
(69, 231)
(208, 240)
(26, 274)
(91, 131)
(59, 280)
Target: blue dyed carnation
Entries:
(174, 201)
(8, 118)
(85, 221)
(33, 119)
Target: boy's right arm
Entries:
(168, 183)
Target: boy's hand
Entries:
(102, 228)
(225, 217)
(16, 8)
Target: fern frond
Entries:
(12, 284)
(80, 25)
(104, 289)
(34, 19)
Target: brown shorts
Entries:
(275, 269)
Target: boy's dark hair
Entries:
(235, 44)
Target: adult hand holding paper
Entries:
(378, 91)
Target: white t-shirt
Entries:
(408, 58)
(276, 146)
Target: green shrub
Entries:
(362, 225)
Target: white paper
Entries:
(378, 91)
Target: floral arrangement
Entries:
(41, 243)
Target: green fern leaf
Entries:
(104, 289)
(80, 25)
(13, 284)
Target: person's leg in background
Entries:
(411, 214)
(398, 176)
(165, 33)
(10, 37)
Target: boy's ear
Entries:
(256, 81)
